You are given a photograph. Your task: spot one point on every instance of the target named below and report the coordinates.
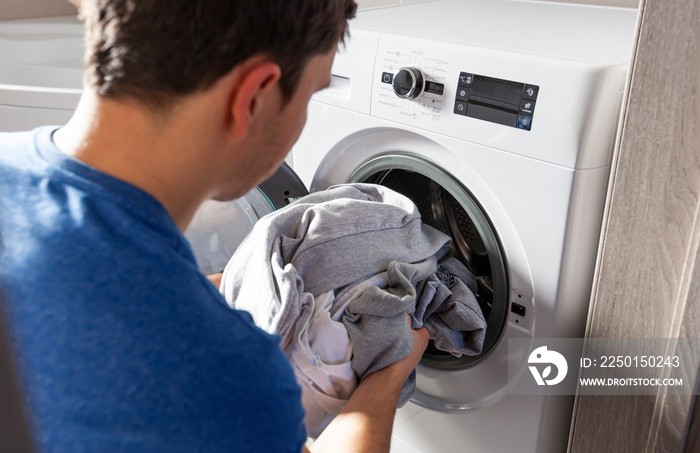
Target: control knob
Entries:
(408, 82)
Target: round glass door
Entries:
(219, 227)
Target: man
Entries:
(122, 345)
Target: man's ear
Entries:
(255, 91)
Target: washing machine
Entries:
(497, 118)
(41, 69)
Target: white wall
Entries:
(364, 4)
(20, 9)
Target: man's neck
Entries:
(128, 142)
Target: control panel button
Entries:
(408, 82)
(387, 77)
(524, 122)
(465, 79)
(530, 92)
(527, 106)
(434, 87)
(461, 108)
(462, 93)
(517, 309)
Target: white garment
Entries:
(320, 354)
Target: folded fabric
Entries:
(356, 256)
(449, 310)
(447, 307)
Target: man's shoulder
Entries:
(15, 147)
(17, 138)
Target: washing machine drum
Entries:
(218, 228)
(447, 205)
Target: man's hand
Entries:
(365, 423)
(408, 363)
(215, 279)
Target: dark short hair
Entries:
(157, 51)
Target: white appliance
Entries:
(498, 119)
(503, 138)
(41, 70)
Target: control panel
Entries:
(477, 96)
(496, 100)
(524, 103)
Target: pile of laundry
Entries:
(334, 274)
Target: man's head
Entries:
(158, 51)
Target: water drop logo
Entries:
(542, 355)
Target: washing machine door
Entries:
(455, 200)
(447, 205)
(219, 227)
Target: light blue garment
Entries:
(122, 345)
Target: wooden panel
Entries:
(650, 239)
(675, 411)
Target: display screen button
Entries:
(530, 92)
(465, 79)
(462, 93)
(434, 87)
(527, 106)
(524, 122)
(461, 108)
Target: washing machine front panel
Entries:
(529, 203)
(505, 185)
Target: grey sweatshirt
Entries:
(368, 244)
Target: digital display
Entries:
(496, 100)
(504, 93)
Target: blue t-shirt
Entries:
(121, 343)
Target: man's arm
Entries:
(366, 422)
